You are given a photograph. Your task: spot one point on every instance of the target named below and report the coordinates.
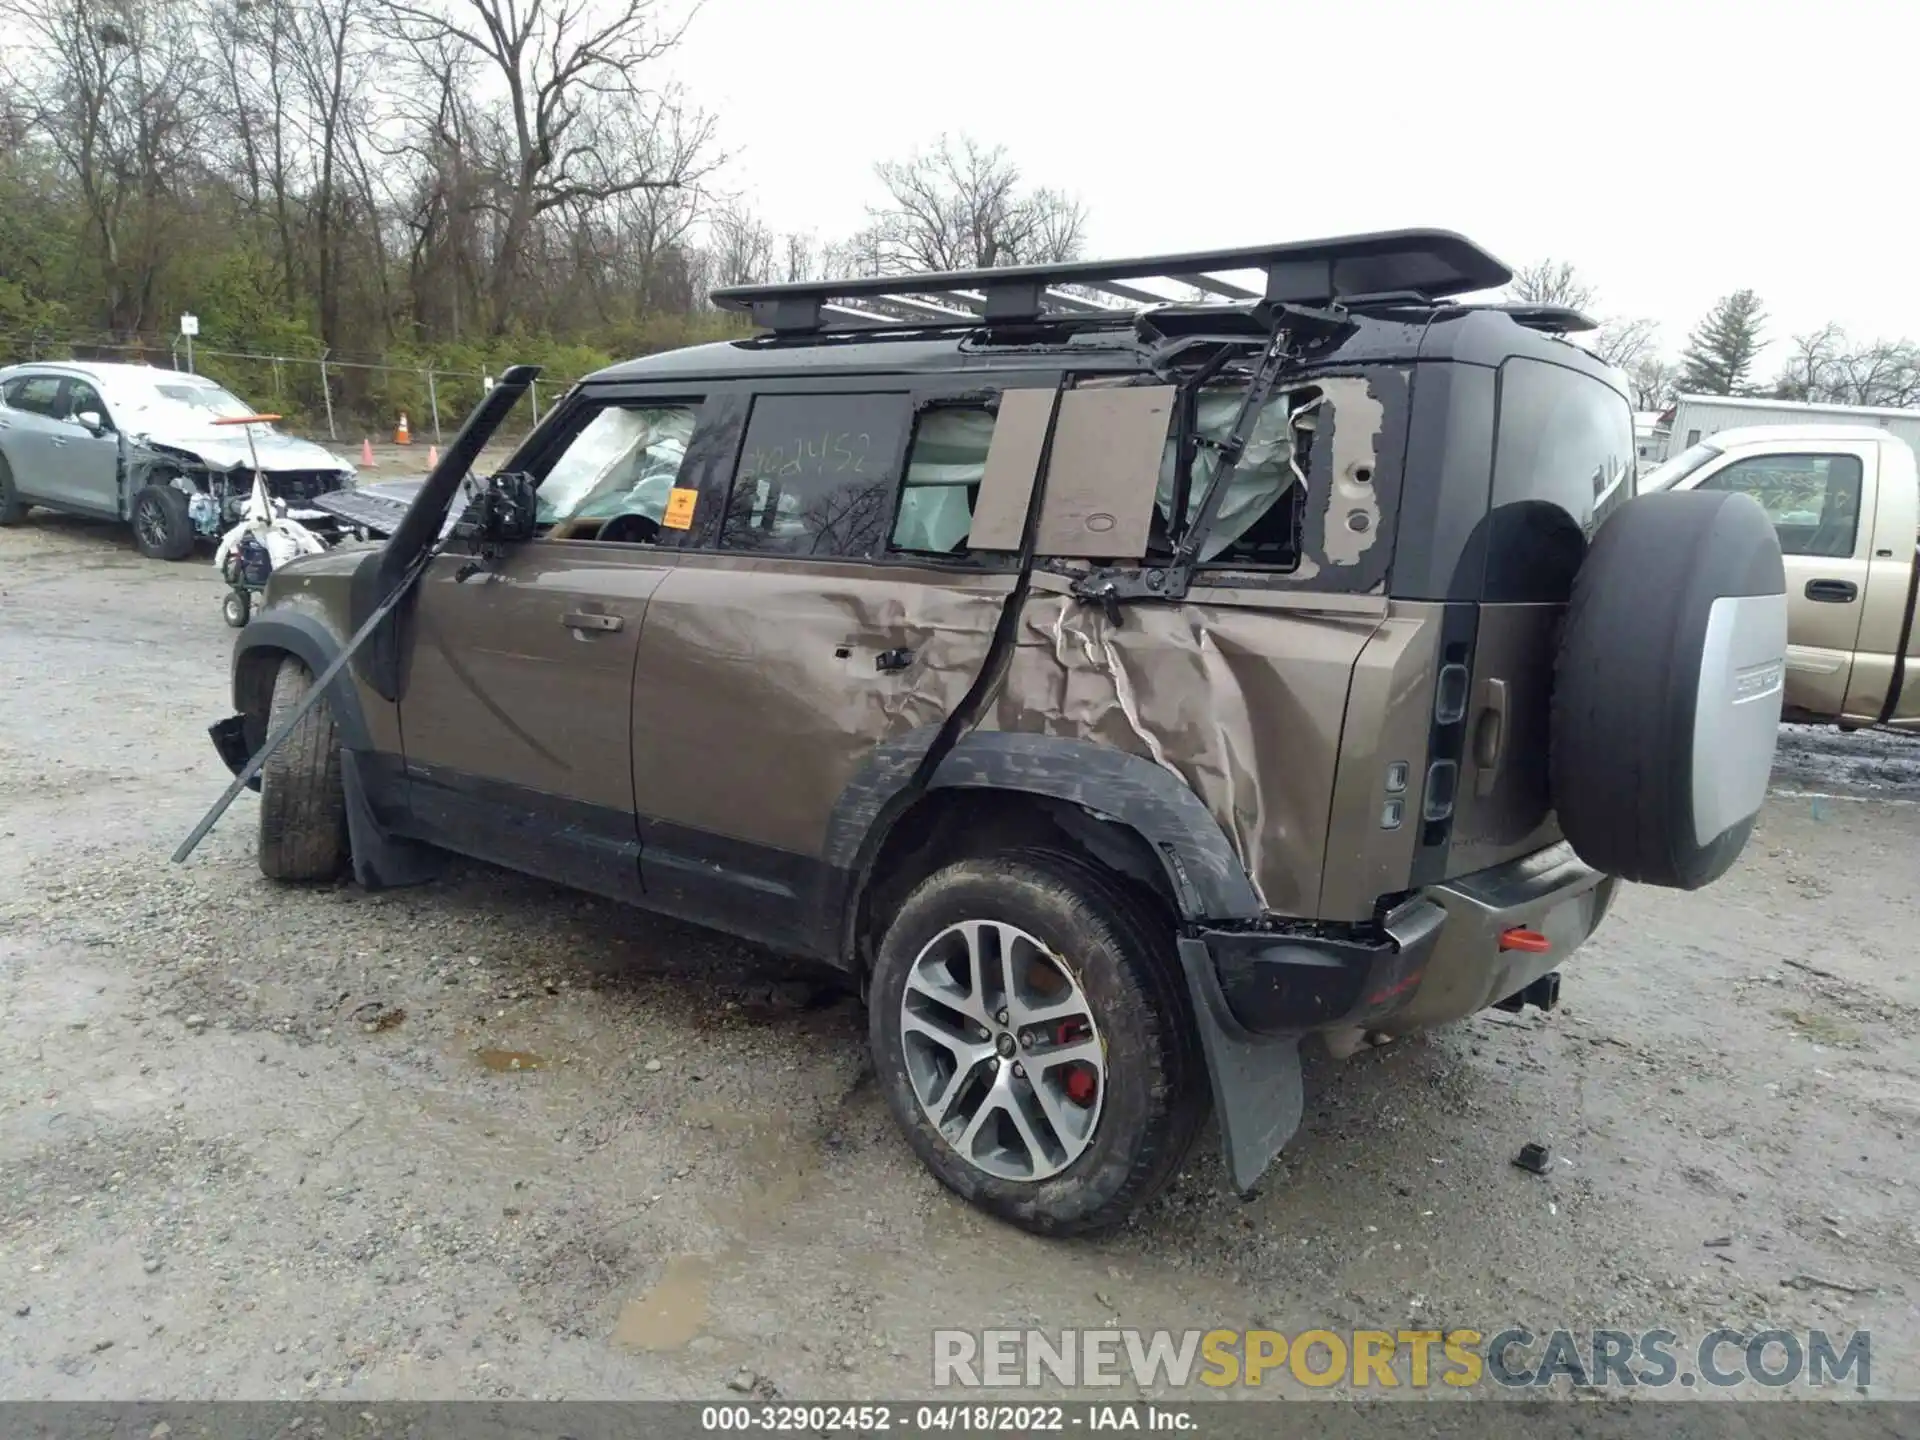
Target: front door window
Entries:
(1812, 500)
(623, 462)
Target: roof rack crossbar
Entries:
(1215, 286)
(1433, 263)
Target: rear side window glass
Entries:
(1258, 522)
(945, 465)
(35, 394)
(1813, 500)
(1563, 461)
(817, 475)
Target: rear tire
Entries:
(162, 524)
(12, 508)
(303, 807)
(1117, 956)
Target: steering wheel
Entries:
(630, 529)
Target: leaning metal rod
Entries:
(313, 696)
(261, 498)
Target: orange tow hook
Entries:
(1531, 941)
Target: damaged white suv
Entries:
(138, 443)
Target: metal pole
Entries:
(326, 393)
(190, 354)
(433, 400)
(278, 394)
(533, 392)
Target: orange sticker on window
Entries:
(679, 514)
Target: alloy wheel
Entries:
(1002, 1050)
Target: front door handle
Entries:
(590, 620)
(1833, 592)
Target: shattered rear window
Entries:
(1258, 522)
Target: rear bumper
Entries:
(1435, 959)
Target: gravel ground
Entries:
(488, 1138)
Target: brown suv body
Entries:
(1320, 753)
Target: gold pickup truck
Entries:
(1846, 504)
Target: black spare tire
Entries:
(1666, 701)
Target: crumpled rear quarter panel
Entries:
(1242, 694)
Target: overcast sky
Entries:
(1672, 151)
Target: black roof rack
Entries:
(1422, 264)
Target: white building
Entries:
(1649, 438)
(1693, 418)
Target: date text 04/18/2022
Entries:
(955, 1418)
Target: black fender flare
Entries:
(380, 860)
(1255, 1079)
(1202, 868)
(310, 640)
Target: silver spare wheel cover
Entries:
(1666, 703)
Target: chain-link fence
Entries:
(325, 396)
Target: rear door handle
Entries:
(1490, 737)
(590, 620)
(1833, 592)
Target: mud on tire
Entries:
(1154, 1092)
(303, 810)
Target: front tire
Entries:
(12, 508)
(1057, 1092)
(162, 525)
(303, 807)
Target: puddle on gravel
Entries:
(777, 1156)
(673, 1311)
(509, 1060)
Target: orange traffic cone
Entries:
(433, 456)
(366, 452)
(401, 436)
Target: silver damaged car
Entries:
(141, 444)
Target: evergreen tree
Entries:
(1721, 350)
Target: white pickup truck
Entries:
(1846, 503)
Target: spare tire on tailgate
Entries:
(1666, 702)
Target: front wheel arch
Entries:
(278, 630)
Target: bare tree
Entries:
(960, 206)
(1550, 282)
(112, 86)
(328, 43)
(1828, 366)
(1653, 381)
(742, 248)
(1625, 343)
(578, 120)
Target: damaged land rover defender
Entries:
(1124, 670)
